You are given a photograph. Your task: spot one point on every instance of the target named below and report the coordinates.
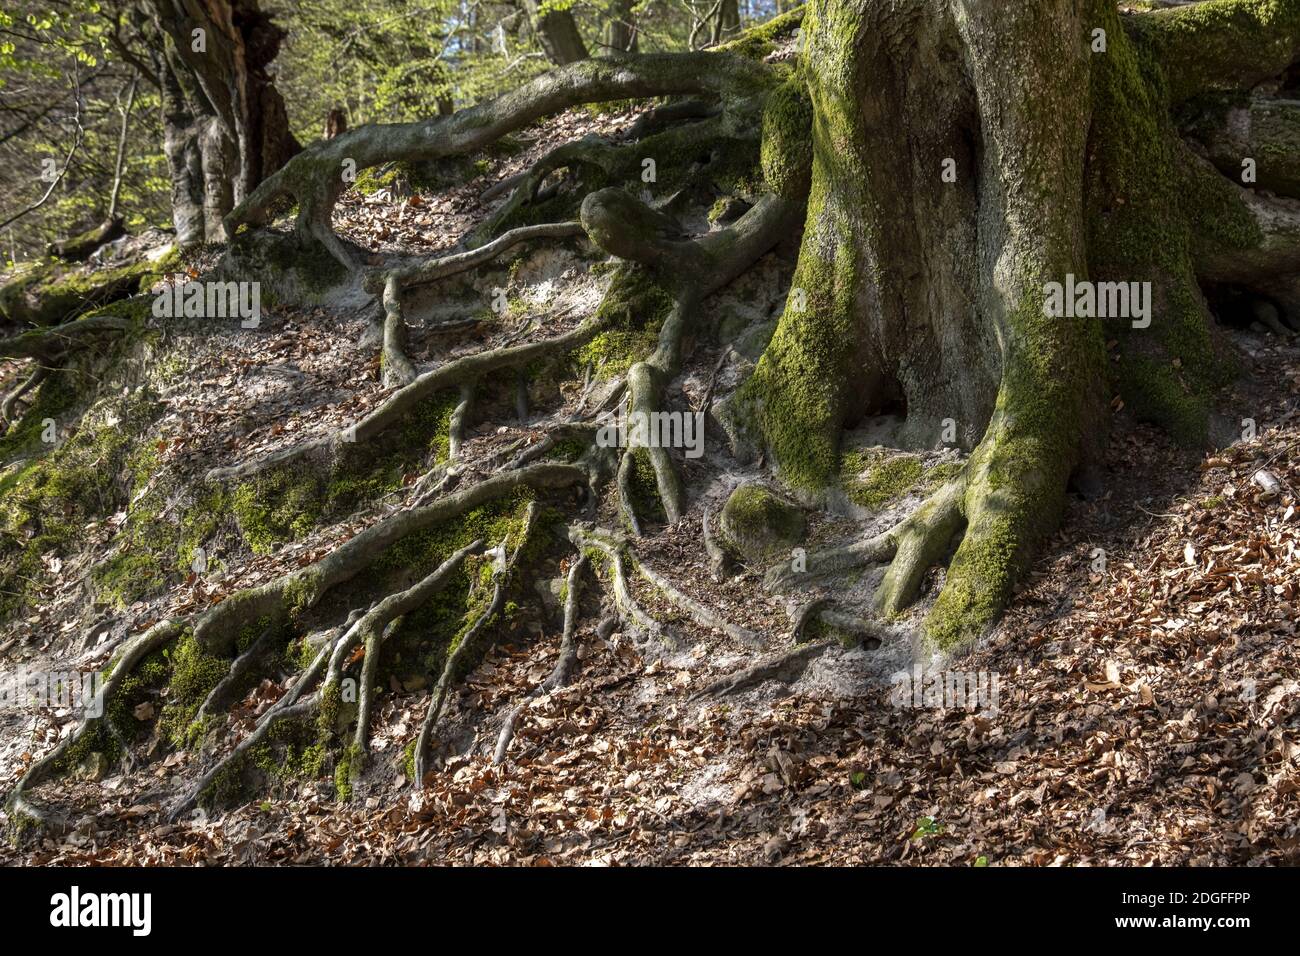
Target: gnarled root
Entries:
(616, 548)
(313, 177)
(217, 628)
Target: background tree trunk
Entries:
(558, 33)
(620, 32)
(224, 122)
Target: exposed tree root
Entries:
(313, 179)
(785, 667)
(629, 611)
(137, 650)
(370, 630)
(217, 628)
(564, 664)
(457, 660)
(617, 549)
(38, 375)
(397, 368)
(469, 368)
(48, 344)
(719, 561)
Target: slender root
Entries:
(458, 659)
(785, 667)
(628, 610)
(27, 384)
(398, 370)
(563, 670)
(456, 427)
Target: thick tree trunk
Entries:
(926, 289)
(224, 123)
(966, 155)
(558, 33)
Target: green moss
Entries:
(797, 393)
(787, 151)
(50, 292)
(276, 506)
(46, 504)
(347, 770)
(635, 306)
(887, 477)
(420, 643)
(758, 41)
(194, 674)
(1148, 203)
(1218, 44)
(759, 525)
(125, 578)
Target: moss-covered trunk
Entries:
(974, 166)
(947, 193)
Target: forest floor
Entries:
(1148, 706)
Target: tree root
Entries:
(397, 368)
(218, 627)
(1231, 46)
(563, 670)
(785, 667)
(629, 611)
(313, 179)
(370, 630)
(617, 549)
(719, 561)
(458, 659)
(26, 385)
(50, 343)
(456, 426)
(454, 374)
(137, 650)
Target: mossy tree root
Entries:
(465, 648)
(397, 367)
(453, 374)
(690, 269)
(367, 629)
(1219, 45)
(784, 666)
(10, 403)
(614, 559)
(314, 177)
(137, 650)
(51, 343)
(217, 629)
(616, 548)
(565, 663)
(371, 630)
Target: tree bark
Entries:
(621, 34)
(557, 31)
(224, 123)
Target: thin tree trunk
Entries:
(121, 147)
(621, 34)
